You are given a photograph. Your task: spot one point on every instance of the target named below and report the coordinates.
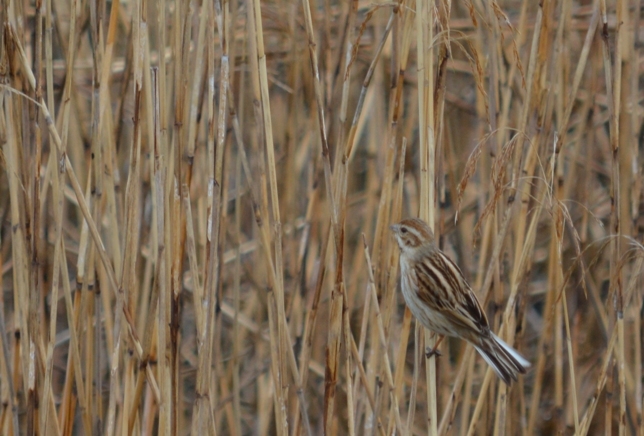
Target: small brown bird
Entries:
(441, 299)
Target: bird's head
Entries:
(411, 233)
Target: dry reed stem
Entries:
(381, 332)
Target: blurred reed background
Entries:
(195, 201)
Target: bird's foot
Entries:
(430, 352)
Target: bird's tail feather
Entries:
(504, 360)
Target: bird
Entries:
(439, 296)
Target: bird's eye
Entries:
(403, 230)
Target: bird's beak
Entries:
(394, 228)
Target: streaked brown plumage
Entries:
(441, 299)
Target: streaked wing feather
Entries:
(460, 307)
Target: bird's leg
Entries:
(429, 352)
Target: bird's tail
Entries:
(504, 360)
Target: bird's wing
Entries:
(450, 294)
